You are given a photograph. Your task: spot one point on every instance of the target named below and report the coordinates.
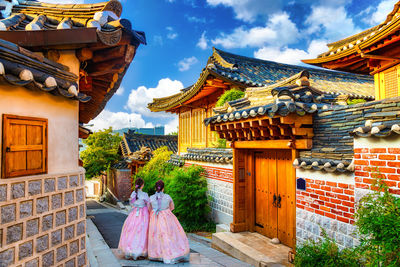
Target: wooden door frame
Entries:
(247, 148)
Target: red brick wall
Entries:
(121, 184)
(372, 162)
(216, 173)
(330, 199)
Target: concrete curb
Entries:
(99, 250)
(199, 239)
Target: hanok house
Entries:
(337, 150)
(136, 151)
(197, 142)
(59, 65)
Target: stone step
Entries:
(222, 228)
(257, 250)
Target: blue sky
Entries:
(181, 34)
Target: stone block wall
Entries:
(220, 188)
(43, 220)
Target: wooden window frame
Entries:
(40, 121)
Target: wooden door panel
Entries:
(286, 190)
(271, 170)
(260, 193)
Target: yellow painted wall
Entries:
(383, 87)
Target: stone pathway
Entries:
(109, 222)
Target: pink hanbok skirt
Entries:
(167, 240)
(134, 235)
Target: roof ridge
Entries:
(301, 68)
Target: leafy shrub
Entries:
(229, 95)
(325, 253)
(188, 188)
(157, 168)
(221, 143)
(378, 222)
(355, 101)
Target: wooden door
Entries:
(273, 173)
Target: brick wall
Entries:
(43, 221)
(373, 162)
(220, 188)
(119, 182)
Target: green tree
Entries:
(101, 152)
(229, 95)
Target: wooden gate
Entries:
(274, 195)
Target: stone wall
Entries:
(121, 183)
(43, 220)
(220, 188)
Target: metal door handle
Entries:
(279, 201)
(8, 149)
(274, 202)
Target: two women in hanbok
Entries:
(152, 230)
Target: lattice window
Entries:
(199, 129)
(24, 146)
(391, 83)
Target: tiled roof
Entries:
(134, 142)
(378, 129)
(105, 16)
(214, 155)
(123, 164)
(251, 72)
(176, 160)
(21, 67)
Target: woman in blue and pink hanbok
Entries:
(134, 235)
(167, 240)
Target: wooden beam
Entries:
(273, 144)
(84, 54)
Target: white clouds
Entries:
(118, 120)
(172, 126)
(120, 91)
(195, 19)
(171, 33)
(381, 11)
(248, 10)
(186, 63)
(139, 98)
(279, 30)
(203, 41)
(330, 22)
(291, 55)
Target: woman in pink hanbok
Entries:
(134, 236)
(167, 240)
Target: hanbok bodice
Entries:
(142, 199)
(160, 201)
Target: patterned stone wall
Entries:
(43, 221)
(123, 183)
(220, 188)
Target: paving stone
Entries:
(17, 190)
(62, 183)
(70, 263)
(73, 181)
(25, 250)
(69, 198)
(8, 213)
(60, 218)
(14, 233)
(3, 193)
(61, 253)
(25, 209)
(80, 228)
(73, 247)
(34, 187)
(42, 204)
(72, 214)
(7, 257)
(32, 227)
(69, 232)
(32, 263)
(82, 259)
(42, 243)
(48, 259)
(79, 195)
(56, 201)
(56, 237)
(47, 222)
(49, 185)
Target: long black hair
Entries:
(159, 186)
(138, 184)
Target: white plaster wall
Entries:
(347, 177)
(62, 115)
(376, 142)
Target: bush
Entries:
(188, 188)
(157, 168)
(325, 253)
(378, 222)
(355, 101)
(229, 95)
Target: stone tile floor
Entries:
(109, 222)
